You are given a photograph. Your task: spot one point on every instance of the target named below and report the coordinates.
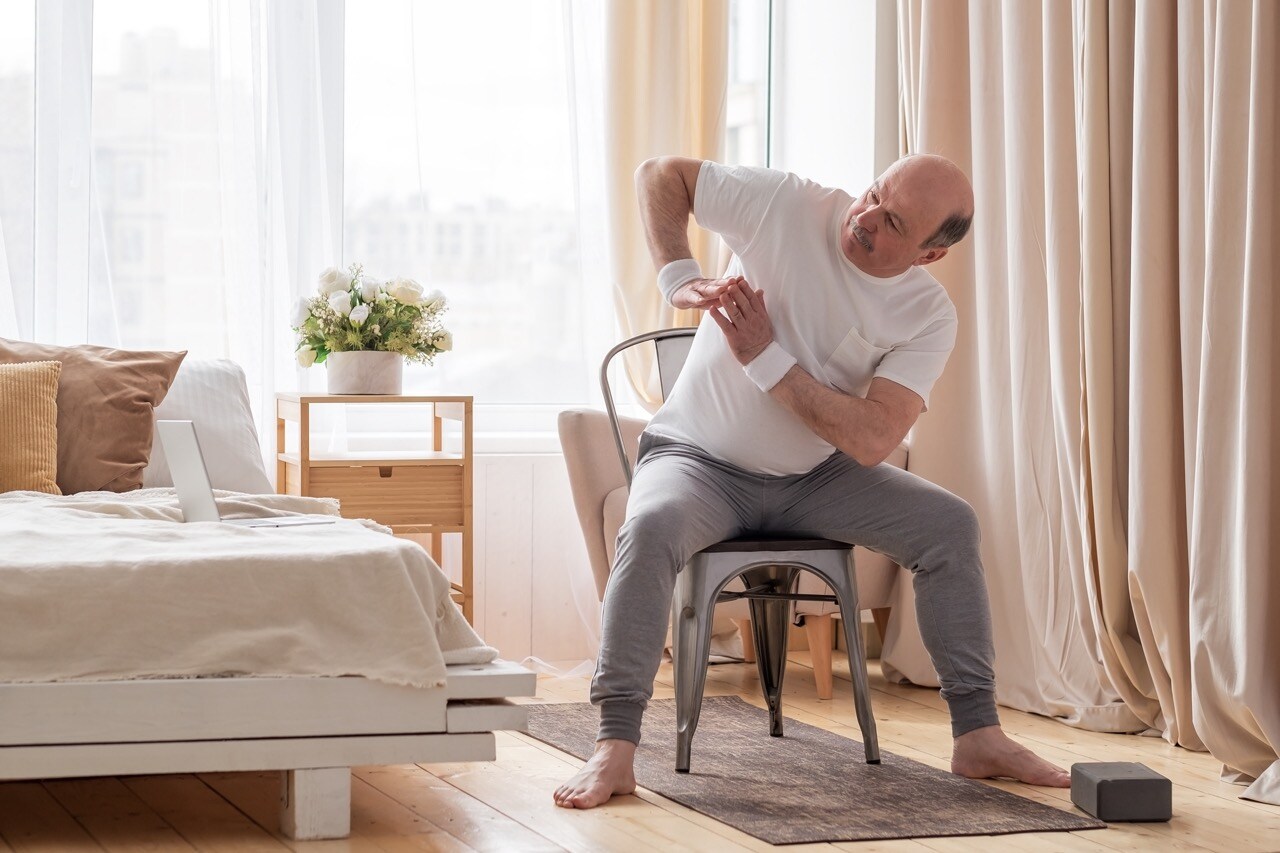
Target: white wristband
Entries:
(676, 275)
(768, 368)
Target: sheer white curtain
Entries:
(17, 168)
(647, 79)
(185, 166)
(299, 98)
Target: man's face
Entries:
(883, 229)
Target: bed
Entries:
(133, 643)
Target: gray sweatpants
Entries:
(683, 500)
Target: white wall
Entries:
(530, 559)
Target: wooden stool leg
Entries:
(819, 632)
(748, 640)
(881, 615)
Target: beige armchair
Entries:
(599, 490)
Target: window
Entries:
(823, 92)
(802, 88)
(156, 226)
(746, 116)
(458, 173)
(214, 155)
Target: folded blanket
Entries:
(103, 586)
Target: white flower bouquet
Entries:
(355, 312)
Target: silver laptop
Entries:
(191, 479)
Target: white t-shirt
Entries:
(843, 326)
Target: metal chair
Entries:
(770, 568)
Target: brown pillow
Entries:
(29, 424)
(106, 408)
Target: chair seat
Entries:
(748, 543)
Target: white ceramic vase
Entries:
(365, 372)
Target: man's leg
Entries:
(680, 502)
(934, 534)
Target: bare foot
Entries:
(988, 752)
(610, 771)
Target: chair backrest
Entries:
(672, 348)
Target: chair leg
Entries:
(861, 690)
(820, 633)
(748, 643)
(691, 626)
(771, 621)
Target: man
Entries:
(791, 397)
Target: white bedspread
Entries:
(101, 586)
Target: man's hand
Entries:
(703, 293)
(742, 317)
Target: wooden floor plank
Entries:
(901, 845)
(258, 796)
(475, 823)
(377, 818)
(378, 823)
(114, 815)
(520, 784)
(200, 815)
(1022, 841)
(31, 819)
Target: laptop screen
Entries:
(186, 464)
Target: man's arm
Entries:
(867, 429)
(665, 187)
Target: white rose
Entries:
(332, 280)
(340, 302)
(369, 288)
(433, 301)
(359, 314)
(306, 356)
(443, 341)
(406, 291)
(301, 311)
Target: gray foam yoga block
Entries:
(1121, 791)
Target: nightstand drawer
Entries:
(395, 494)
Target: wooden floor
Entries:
(506, 805)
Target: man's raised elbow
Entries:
(651, 168)
(669, 170)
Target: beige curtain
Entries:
(666, 74)
(1109, 406)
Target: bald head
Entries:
(908, 217)
(936, 179)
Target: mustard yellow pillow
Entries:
(29, 424)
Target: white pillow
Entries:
(213, 394)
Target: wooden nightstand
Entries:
(412, 492)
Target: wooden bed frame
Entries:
(313, 729)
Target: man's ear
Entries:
(934, 254)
